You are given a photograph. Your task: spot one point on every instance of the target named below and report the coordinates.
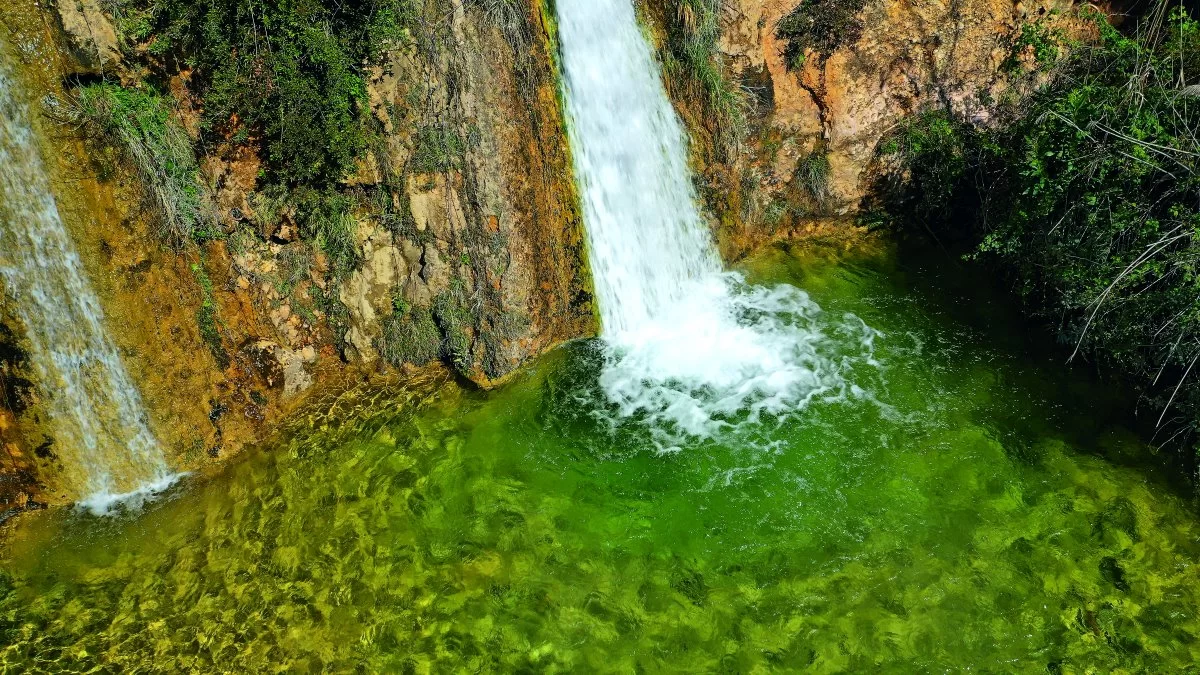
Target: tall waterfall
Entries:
(692, 349)
(100, 428)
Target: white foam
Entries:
(105, 503)
(730, 354)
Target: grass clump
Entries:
(141, 123)
(293, 263)
(1086, 196)
(510, 17)
(693, 58)
(453, 316)
(437, 149)
(821, 26)
(327, 219)
(410, 336)
(206, 317)
(813, 172)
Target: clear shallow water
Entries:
(969, 507)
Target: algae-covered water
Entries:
(957, 504)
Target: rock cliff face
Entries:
(495, 237)
(821, 96)
(474, 253)
(18, 401)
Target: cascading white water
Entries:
(693, 349)
(101, 433)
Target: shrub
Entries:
(1087, 197)
(285, 72)
(1037, 40)
(141, 123)
(937, 151)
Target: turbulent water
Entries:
(100, 431)
(691, 346)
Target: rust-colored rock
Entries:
(837, 107)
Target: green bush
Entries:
(937, 151)
(142, 125)
(286, 72)
(1039, 41)
(1086, 195)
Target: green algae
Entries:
(972, 507)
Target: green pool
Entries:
(962, 505)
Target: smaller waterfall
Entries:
(692, 349)
(101, 432)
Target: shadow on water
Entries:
(1099, 413)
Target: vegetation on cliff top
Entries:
(1087, 195)
(287, 72)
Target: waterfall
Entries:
(692, 349)
(101, 434)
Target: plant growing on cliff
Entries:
(937, 150)
(410, 336)
(326, 218)
(510, 17)
(142, 125)
(1088, 196)
(454, 317)
(206, 316)
(693, 58)
(812, 173)
(437, 149)
(821, 26)
(288, 75)
(1039, 42)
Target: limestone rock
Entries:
(278, 367)
(435, 271)
(92, 36)
(368, 294)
